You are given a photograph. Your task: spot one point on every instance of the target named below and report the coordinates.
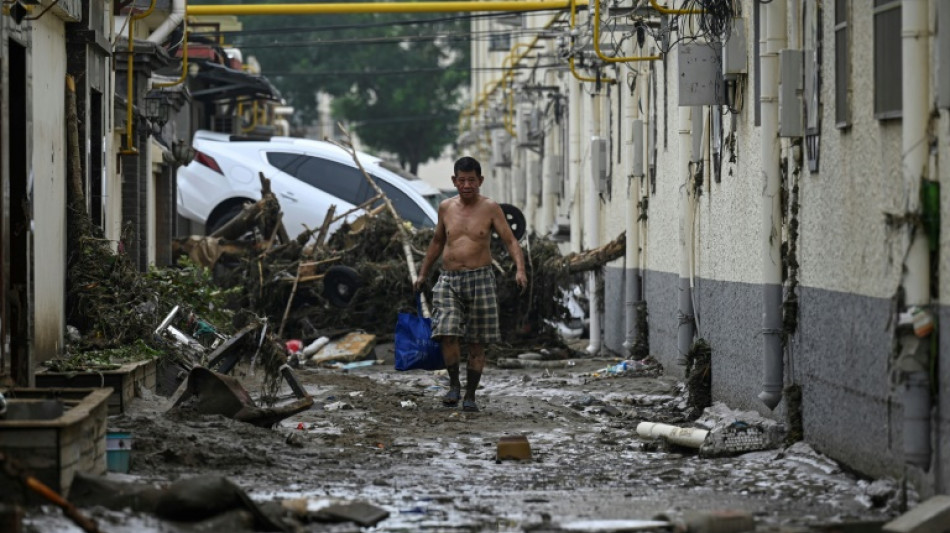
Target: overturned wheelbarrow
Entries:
(218, 394)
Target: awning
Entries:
(218, 82)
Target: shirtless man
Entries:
(465, 307)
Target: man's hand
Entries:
(417, 285)
(521, 279)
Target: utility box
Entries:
(791, 88)
(598, 163)
(637, 136)
(734, 54)
(500, 148)
(700, 76)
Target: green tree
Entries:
(395, 78)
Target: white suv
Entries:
(307, 177)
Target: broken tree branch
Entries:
(400, 225)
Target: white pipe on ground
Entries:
(688, 437)
(915, 102)
(772, 41)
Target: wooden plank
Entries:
(353, 346)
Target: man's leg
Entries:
(451, 353)
(476, 364)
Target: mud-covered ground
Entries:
(383, 437)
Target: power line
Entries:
(403, 72)
(312, 29)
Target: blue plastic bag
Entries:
(415, 347)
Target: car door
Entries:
(302, 204)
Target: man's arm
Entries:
(514, 249)
(435, 250)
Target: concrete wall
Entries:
(48, 58)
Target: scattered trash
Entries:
(732, 432)
(358, 364)
(515, 447)
(725, 521)
(315, 346)
(337, 406)
(408, 404)
(293, 346)
(688, 437)
(614, 525)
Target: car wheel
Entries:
(340, 284)
(515, 219)
(223, 219)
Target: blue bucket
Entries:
(118, 452)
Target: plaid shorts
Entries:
(465, 306)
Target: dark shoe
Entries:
(470, 406)
(451, 398)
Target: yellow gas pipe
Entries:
(184, 63)
(376, 7)
(570, 60)
(656, 5)
(130, 79)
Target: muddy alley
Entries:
(382, 437)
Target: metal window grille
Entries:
(887, 59)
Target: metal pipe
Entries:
(915, 102)
(570, 60)
(375, 7)
(772, 41)
(685, 329)
(592, 218)
(601, 55)
(184, 63)
(576, 110)
(631, 283)
(130, 80)
(176, 17)
(666, 11)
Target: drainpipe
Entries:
(552, 155)
(685, 329)
(631, 281)
(916, 280)
(592, 222)
(773, 39)
(175, 18)
(130, 81)
(576, 171)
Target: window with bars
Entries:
(887, 59)
(842, 63)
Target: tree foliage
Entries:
(393, 81)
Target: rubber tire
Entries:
(516, 221)
(340, 284)
(223, 219)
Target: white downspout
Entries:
(772, 41)
(592, 223)
(576, 157)
(685, 329)
(165, 29)
(631, 282)
(552, 144)
(916, 281)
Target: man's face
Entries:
(467, 183)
